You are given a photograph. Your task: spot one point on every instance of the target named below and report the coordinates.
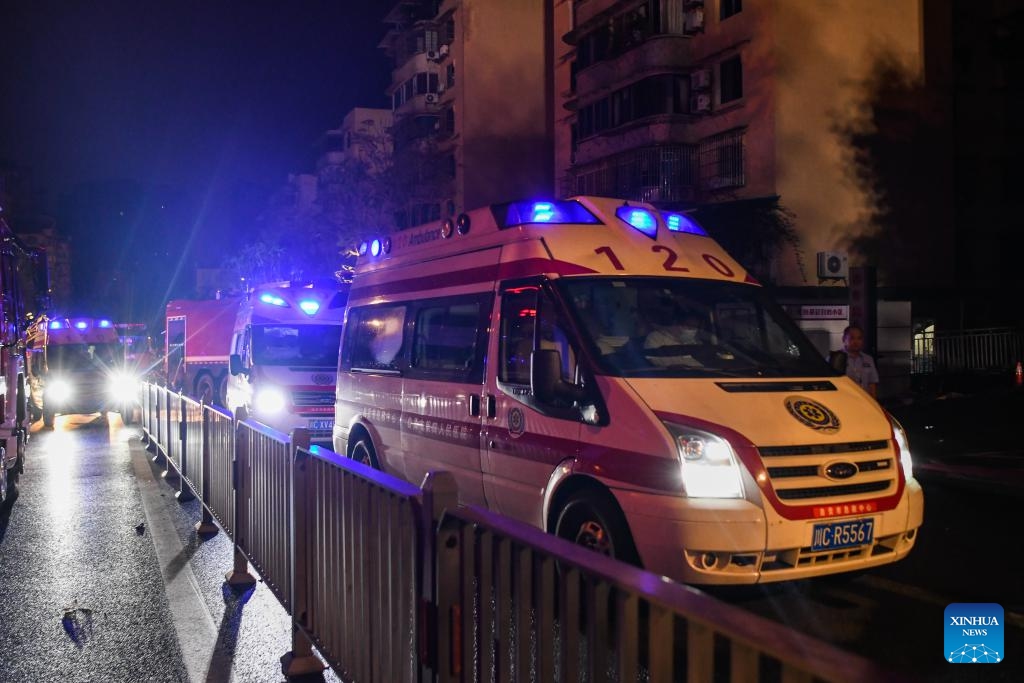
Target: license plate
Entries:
(321, 425)
(848, 534)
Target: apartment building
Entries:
(690, 102)
(472, 101)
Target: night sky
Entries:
(144, 122)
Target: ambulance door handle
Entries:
(492, 444)
(474, 405)
(491, 405)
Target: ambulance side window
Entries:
(374, 337)
(531, 320)
(518, 327)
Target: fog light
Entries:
(709, 560)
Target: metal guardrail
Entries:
(263, 503)
(969, 350)
(219, 445)
(358, 566)
(396, 583)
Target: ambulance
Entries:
(75, 366)
(284, 353)
(608, 373)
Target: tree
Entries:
(754, 231)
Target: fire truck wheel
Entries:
(362, 452)
(206, 388)
(591, 518)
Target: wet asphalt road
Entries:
(86, 594)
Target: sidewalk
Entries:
(104, 578)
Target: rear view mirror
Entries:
(235, 364)
(837, 359)
(546, 381)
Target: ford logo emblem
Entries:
(840, 470)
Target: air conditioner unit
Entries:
(832, 265)
(694, 21)
(431, 98)
(432, 55)
(700, 80)
(700, 103)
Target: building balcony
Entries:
(657, 54)
(664, 174)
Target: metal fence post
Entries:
(157, 422)
(239, 576)
(206, 526)
(184, 493)
(440, 581)
(300, 660)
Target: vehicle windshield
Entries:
(299, 345)
(81, 357)
(674, 327)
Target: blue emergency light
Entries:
(81, 325)
(104, 324)
(309, 306)
(567, 212)
(375, 248)
(56, 325)
(273, 300)
(678, 222)
(363, 248)
(641, 219)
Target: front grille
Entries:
(831, 491)
(301, 399)
(798, 473)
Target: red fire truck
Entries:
(197, 346)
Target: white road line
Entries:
(193, 623)
(926, 596)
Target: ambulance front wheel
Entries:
(362, 452)
(592, 519)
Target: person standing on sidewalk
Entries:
(860, 367)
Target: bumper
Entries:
(704, 541)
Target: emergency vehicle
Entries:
(196, 344)
(608, 373)
(284, 355)
(75, 366)
(19, 266)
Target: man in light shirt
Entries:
(860, 367)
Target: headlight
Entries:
(707, 462)
(270, 401)
(58, 390)
(904, 446)
(123, 387)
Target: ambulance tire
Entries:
(592, 518)
(362, 452)
(221, 398)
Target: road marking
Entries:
(927, 596)
(193, 623)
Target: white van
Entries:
(284, 352)
(608, 373)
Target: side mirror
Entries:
(546, 381)
(235, 364)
